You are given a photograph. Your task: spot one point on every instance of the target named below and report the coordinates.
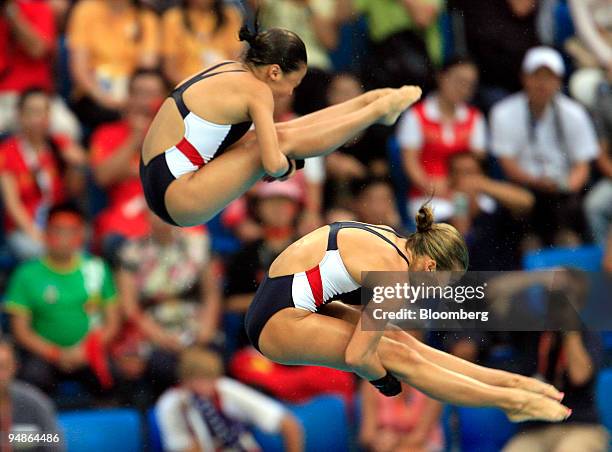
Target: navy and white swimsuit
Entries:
(313, 288)
(202, 142)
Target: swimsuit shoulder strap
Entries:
(383, 228)
(177, 93)
(334, 228)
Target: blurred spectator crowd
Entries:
(511, 142)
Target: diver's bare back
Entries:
(219, 100)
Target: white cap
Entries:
(538, 57)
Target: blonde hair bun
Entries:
(424, 219)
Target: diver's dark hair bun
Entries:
(424, 218)
(246, 34)
(273, 46)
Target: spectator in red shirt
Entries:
(27, 47)
(438, 127)
(37, 170)
(115, 157)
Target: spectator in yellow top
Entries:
(198, 34)
(108, 40)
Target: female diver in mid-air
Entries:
(199, 155)
(292, 319)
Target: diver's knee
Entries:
(400, 358)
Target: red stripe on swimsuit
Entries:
(316, 285)
(190, 152)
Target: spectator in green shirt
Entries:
(405, 41)
(63, 308)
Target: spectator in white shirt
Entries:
(545, 141)
(210, 412)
